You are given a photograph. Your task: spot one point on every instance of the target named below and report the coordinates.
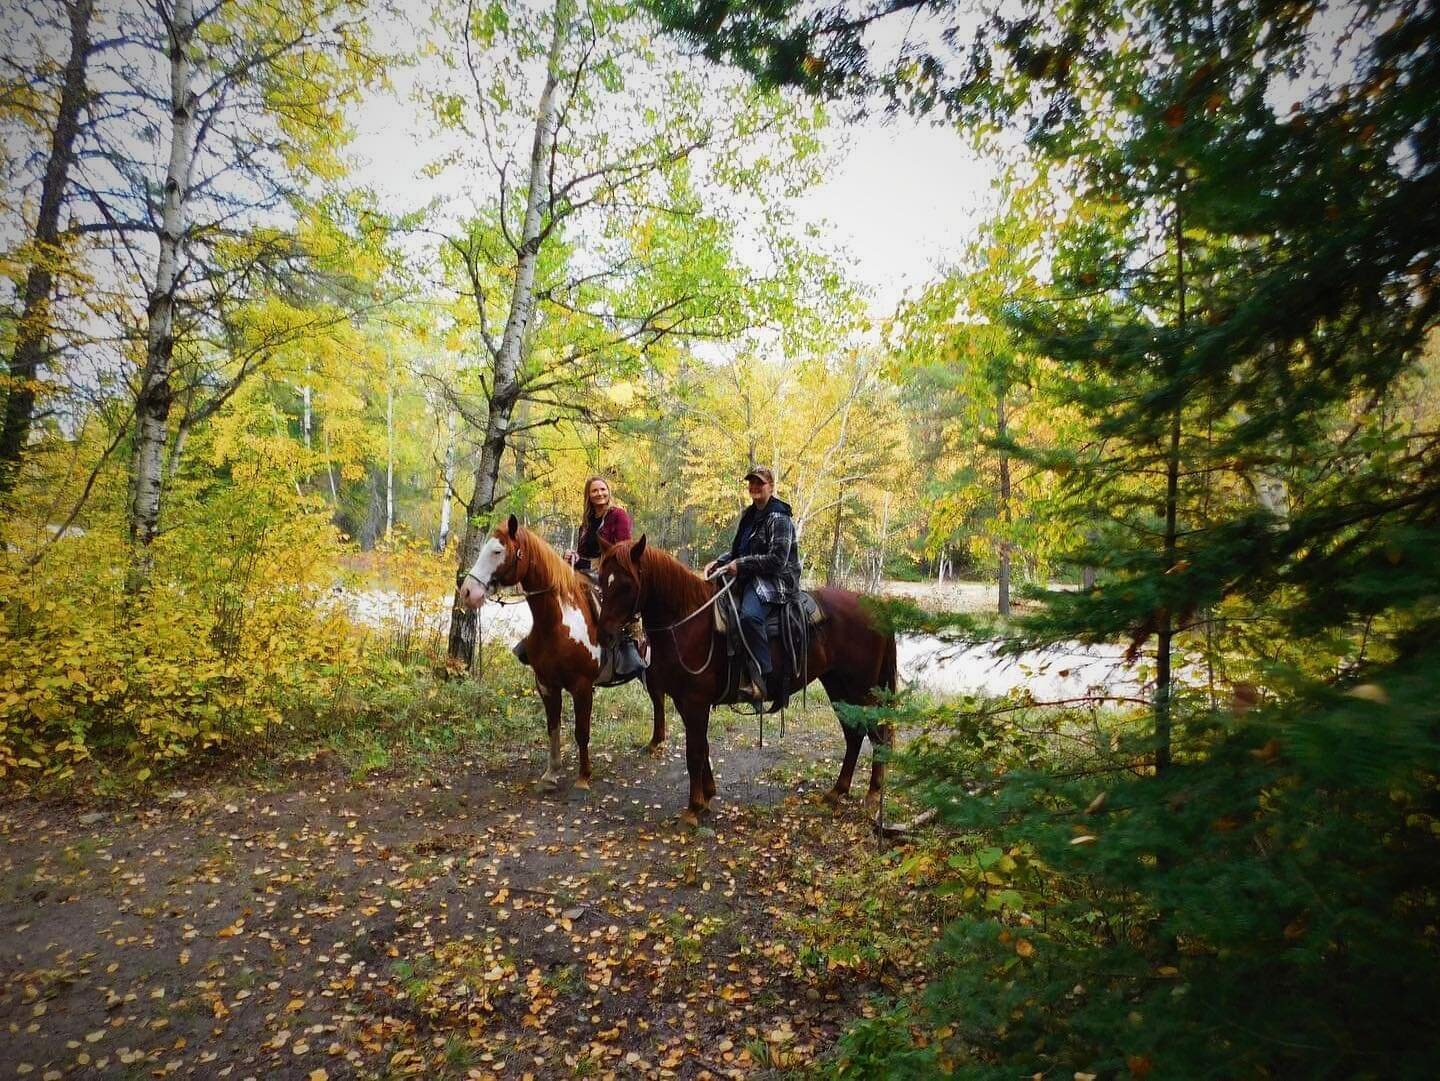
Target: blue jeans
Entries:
(753, 611)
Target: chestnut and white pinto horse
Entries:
(563, 646)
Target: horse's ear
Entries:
(638, 549)
(513, 525)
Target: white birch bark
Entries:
(153, 404)
(389, 449)
(506, 387)
(879, 574)
(447, 483)
(305, 415)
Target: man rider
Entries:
(766, 561)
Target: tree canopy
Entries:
(1176, 399)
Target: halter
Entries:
(519, 555)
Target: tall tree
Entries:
(152, 403)
(32, 331)
(252, 112)
(984, 394)
(1244, 288)
(605, 161)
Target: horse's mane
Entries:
(552, 572)
(664, 575)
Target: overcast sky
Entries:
(903, 197)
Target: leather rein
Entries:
(686, 619)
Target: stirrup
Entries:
(778, 691)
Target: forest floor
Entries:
(440, 919)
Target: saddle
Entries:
(788, 627)
(615, 667)
(802, 606)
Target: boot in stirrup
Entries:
(753, 689)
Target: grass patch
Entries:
(460, 1056)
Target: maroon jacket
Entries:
(612, 529)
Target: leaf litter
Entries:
(461, 926)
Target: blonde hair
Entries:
(585, 497)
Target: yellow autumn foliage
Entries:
(237, 639)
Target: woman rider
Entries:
(604, 520)
(601, 520)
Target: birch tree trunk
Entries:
(32, 331)
(832, 575)
(505, 392)
(1000, 431)
(152, 408)
(884, 546)
(389, 449)
(447, 484)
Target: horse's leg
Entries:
(554, 702)
(853, 742)
(854, 739)
(584, 698)
(657, 703)
(879, 752)
(696, 716)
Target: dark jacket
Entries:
(765, 548)
(612, 529)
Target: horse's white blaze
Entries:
(488, 562)
(578, 629)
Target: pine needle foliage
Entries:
(1240, 881)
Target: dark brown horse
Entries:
(563, 646)
(850, 656)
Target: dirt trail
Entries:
(464, 926)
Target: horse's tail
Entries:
(889, 666)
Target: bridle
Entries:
(510, 561)
(709, 656)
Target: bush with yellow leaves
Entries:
(234, 641)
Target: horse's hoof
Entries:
(832, 799)
(582, 782)
(654, 750)
(872, 804)
(550, 781)
(690, 818)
